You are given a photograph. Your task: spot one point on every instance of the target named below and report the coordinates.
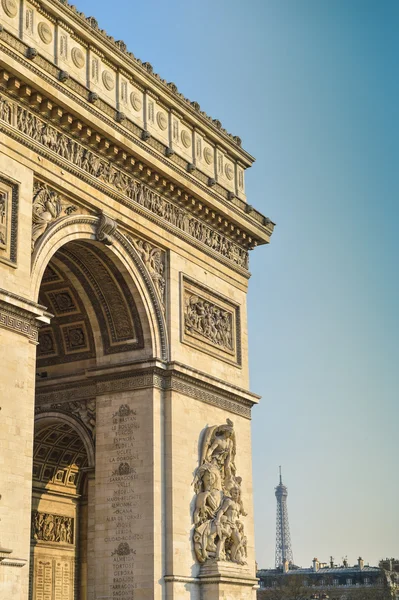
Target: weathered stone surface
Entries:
(123, 328)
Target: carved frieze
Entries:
(48, 206)
(8, 220)
(47, 527)
(209, 322)
(154, 260)
(105, 171)
(218, 529)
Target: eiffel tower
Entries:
(283, 538)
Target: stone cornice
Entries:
(21, 315)
(149, 374)
(260, 227)
(216, 235)
(118, 53)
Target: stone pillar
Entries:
(91, 534)
(128, 511)
(18, 335)
(195, 419)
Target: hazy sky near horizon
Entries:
(312, 88)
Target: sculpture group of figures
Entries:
(52, 528)
(218, 531)
(209, 321)
(101, 168)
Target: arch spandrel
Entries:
(129, 267)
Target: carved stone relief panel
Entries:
(52, 528)
(154, 260)
(218, 529)
(8, 220)
(210, 322)
(48, 206)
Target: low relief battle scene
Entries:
(218, 530)
(208, 321)
(52, 528)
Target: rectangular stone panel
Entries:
(209, 321)
(8, 220)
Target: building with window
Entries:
(329, 581)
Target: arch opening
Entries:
(97, 312)
(59, 525)
(101, 318)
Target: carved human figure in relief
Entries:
(86, 411)
(218, 532)
(5, 110)
(153, 260)
(232, 541)
(208, 320)
(47, 207)
(219, 448)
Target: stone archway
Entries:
(123, 256)
(60, 497)
(99, 323)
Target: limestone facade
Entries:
(125, 444)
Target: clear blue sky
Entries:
(311, 86)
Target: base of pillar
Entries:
(222, 579)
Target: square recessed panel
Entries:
(63, 302)
(75, 337)
(47, 343)
(42, 452)
(51, 275)
(36, 471)
(48, 473)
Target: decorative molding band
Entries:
(178, 384)
(18, 320)
(13, 562)
(181, 579)
(148, 378)
(85, 390)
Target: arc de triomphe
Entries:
(125, 447)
